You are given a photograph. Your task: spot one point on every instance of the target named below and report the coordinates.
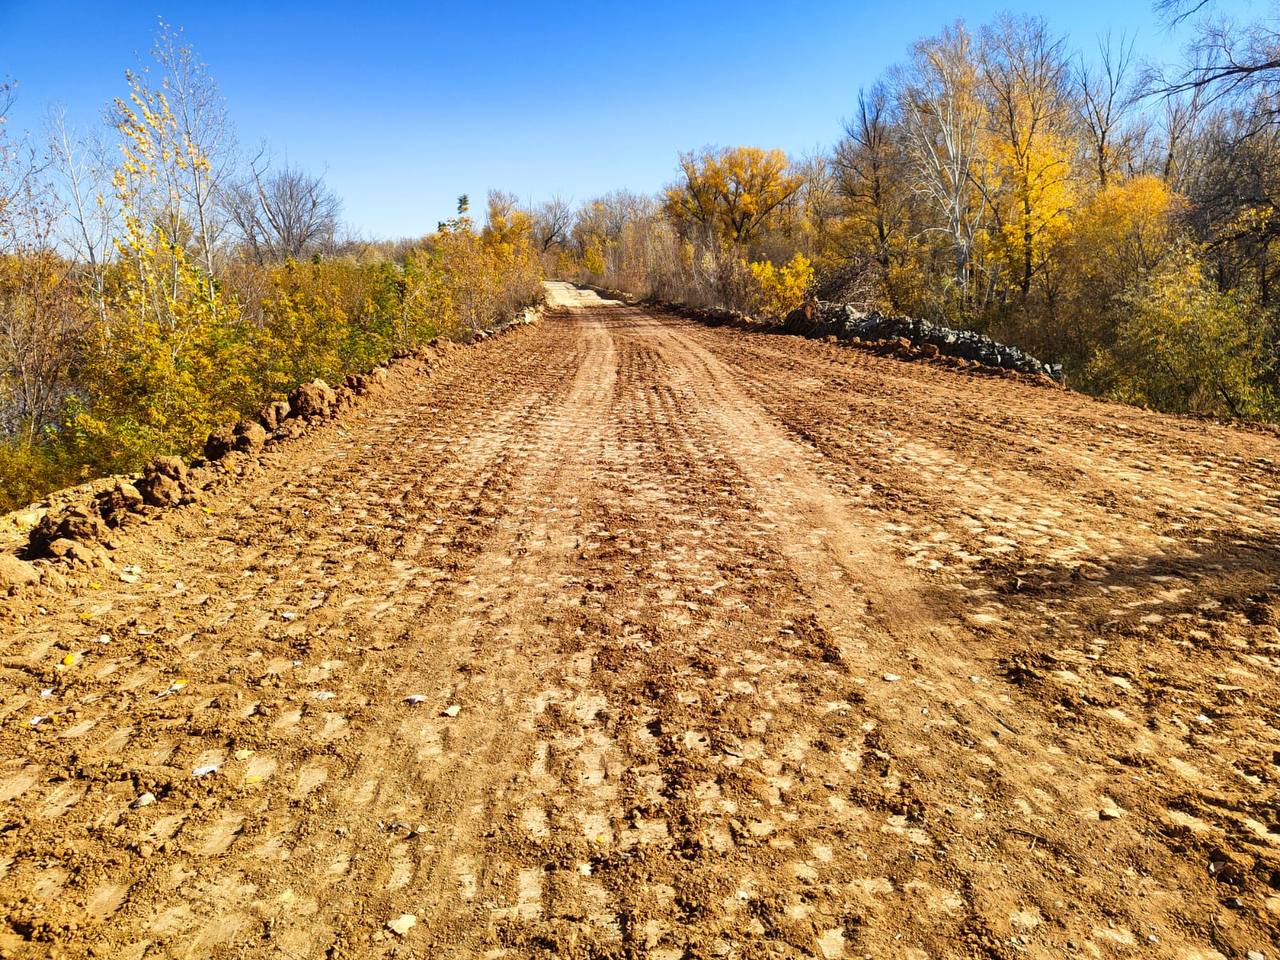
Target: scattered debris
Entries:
(78, 534)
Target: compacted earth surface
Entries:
(623, 636)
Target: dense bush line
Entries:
(145, 300)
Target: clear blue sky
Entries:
(407, 105)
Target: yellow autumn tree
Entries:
(485, 275)
(1116, 238)
(732, 194)
(593, 261)
(1031, 189)
(1033, 198)
(167, 362)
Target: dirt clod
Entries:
(312, 400)
(221, 441)
(120, 504)
(164, 482)
(77, 524)
(15, 574)
(249, 436)
(273, 414)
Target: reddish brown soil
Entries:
(760, 648)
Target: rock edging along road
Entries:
(628, 637)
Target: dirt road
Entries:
(724, 645)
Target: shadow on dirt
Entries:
(1242, 571)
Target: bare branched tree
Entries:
(1104, 100)
(816, 204)
(870, 170)
(288, 213)
(1174, 132)
(941, 119)
(17, 162)
(39, 318)
(202, 123)
(552, 220)
(1229, 63)
(502, 205)
(84, 174)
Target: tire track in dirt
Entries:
(760, 647)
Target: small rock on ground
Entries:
(402, 924)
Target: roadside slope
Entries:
(757, 646)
